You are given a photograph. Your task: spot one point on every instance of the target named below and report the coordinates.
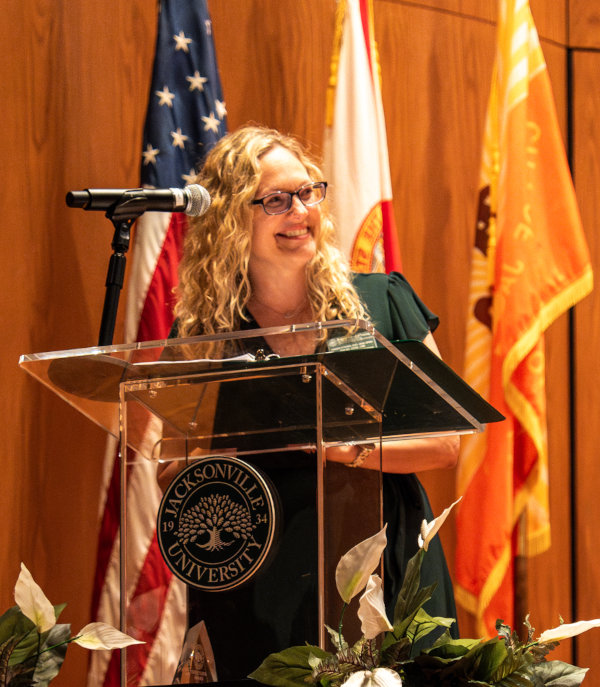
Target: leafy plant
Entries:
(385, 655)
(33, 645)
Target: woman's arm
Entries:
(405, 455)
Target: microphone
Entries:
(194, 199)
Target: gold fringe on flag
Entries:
(340, 13)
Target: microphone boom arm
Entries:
(122, 214)
(123, 207)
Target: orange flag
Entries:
(355, 156)
(530, 264)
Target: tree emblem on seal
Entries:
(219, 517)
(218, 522)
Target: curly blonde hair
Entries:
(214, 286)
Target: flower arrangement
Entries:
(33, 645)
(385, 655)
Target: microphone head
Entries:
(198, 200)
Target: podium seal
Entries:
(217, 523)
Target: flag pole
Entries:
(520, 577)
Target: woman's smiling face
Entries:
(288, 239)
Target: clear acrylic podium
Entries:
(177, 403)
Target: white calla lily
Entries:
(430, 529)
(102, 636)
(566, 630)
(380, 677)
(355, 566)
(371, 609)
(33, 602)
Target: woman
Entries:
(264, 255)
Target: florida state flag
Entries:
(356, 160)
(530, 264)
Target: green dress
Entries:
(279, 606)
(398, 313)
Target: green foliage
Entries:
(14, 624)
(559, 674)
(423, 624)
(503, 661)
(27, 657)
(52, 654)
(19, 675)
(288, 668)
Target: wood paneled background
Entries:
(75, 79)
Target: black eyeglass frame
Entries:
(291, 194)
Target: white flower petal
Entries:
(380, 677)
(361, 678)
(566, 630)
(103, 636)
(384, 677)
(425, 528)
(355, 566)
(371, 610)
(430, 529)
(33, 602)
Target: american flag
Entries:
(186, 116)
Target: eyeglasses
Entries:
(278, 202)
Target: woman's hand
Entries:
(401, 455)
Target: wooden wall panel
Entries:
(586, 67)
(549, 574)
(274, 63)
(584, 23)
(435, 126)
(78, 78)
(550, 17)
(551, 20)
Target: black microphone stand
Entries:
(122, 214)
